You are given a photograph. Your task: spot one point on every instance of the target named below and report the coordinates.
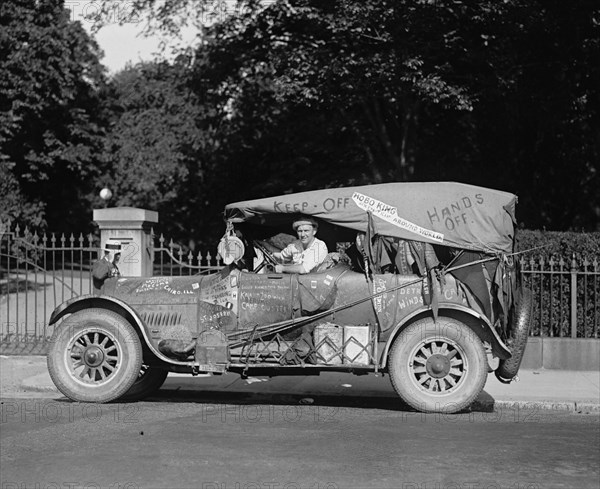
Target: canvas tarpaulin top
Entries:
(443, 213)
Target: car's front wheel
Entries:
(438, 366)
(95, 355)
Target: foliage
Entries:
(293, 95)
(559, 244)
(536, 130)
(323, 94)
(154, 145)
(50, 131)
(15, 207)
(348, 61)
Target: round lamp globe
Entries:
(105, 193)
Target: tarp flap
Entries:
(444, 213)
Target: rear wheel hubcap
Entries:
(438, 366)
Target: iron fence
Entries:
(38, 273)
(172, 259)
(566, 296)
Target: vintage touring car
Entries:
(423, 286)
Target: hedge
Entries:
(559, 244)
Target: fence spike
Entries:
(561, 263)
(190, 258)
(63, 239)
(44, 240)
(199, 258)
(90, 238)
(17, 230)
(551, 263)
(208, 258)
(595, 264)
(161, 240)
(35, 238)
(573, 263)
(81, 240)
(53, 240)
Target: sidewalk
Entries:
(576, 391)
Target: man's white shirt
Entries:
(309, 258)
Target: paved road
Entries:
(274, 442)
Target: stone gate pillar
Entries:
(131, 226)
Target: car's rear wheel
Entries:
(438, 366)
(150, 379)
(95, 355)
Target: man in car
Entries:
(303, 255)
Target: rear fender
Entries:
(478, 323)
(106, 302)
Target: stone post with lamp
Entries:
(133, 228)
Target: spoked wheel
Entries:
(95, 355)
(150, 379)
(438, 367)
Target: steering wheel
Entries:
(269, 257)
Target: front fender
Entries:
(107, 302)
(477, 322)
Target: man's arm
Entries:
(286, 254)
(312, 259)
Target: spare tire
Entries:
(517, 341)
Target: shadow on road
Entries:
(485, 403)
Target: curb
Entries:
(39, 383)
(533, 406)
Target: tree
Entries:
(15, 207)
(495, 94)
(50, 112)
(368, 62)
(314, 94)
(547, 134)
(156, 145)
